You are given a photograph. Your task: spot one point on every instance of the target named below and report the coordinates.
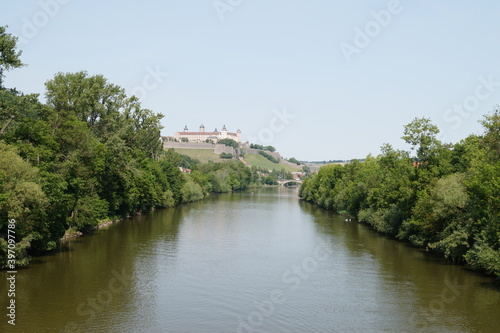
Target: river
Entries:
(254, 261)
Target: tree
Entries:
(448, 201)
(22, 199)
(191, 191)
(90, 98)
(229, 143)
(142, 129)
(491, 124)
(226, 155)
(294, 160)
(188, 162)
(9, 56)
(421, 134)
(261, 147)
(106, 110)
(9, 59)
(268, 156)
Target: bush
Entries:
(269, 157)
(293, 160)
(483, 257)
(226, 155)
(191, 191)
(229, 143)
(261, 147)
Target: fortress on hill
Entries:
(202, 136)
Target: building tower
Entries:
(202, 128)
(223, 132)
(186, 128)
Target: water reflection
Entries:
(214, 266)
(434, 295)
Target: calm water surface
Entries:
(256, 261)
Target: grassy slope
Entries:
(262, 162)
(203, 155)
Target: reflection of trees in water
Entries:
(414, 273)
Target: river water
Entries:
(255, 261)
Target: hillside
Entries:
(203, 155)
(262, 162)
(259, 161)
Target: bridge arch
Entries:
(289, 181)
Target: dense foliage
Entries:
(187, 161)
(447, 199)
(226, 155)
(87, 155)
(261, 147)
(269, 156)
(272, 177)
(229, 143)
(91, 153)
(294, 160)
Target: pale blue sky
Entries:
(242, 66)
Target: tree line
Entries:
(261, 147)
(89, 154)
(269, 157)
(446, 200)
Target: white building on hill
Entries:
(203, 136)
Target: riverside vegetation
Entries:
(447, 199)
(89, 154)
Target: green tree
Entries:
(21, 199)
(229, 143)
(447, 201)
(226, 155)
(191, 191)
(10, 57)
(268, 156)
(107, 111)
(11, 102)
(294, 160)
(421, 134)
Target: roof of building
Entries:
(199, 133)
(205, 133)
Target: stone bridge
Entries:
(283, 182)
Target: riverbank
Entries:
(447, 200)
(374, 219)
(74, 233)
(222, 263)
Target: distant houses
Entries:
(185, 170)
